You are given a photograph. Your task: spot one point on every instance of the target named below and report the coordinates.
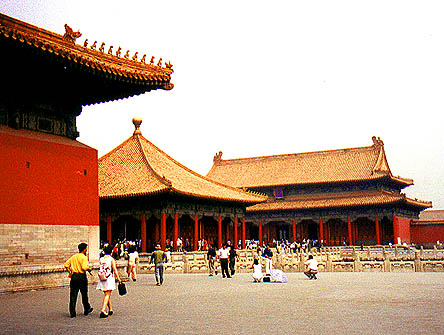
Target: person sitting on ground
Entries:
(257, 271)
(312, 267)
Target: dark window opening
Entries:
(45, 125)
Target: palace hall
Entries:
(345, 196)
(145, 194)
(48, 180)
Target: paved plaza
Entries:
(336, 303)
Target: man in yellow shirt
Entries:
(77, 266)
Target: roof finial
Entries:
(137, 121)
(377, 142)
(71, 35)
(218, 157)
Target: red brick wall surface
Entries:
(401, 229)
(427, 233)
(47, 179)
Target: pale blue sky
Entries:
(261, 78)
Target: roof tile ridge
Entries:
(162, 179)
(201, 176)
(297, 154)
(381, 164)
(55, 40)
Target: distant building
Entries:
(49, 181)
(429, 228)
(147, 195)
(344, 196)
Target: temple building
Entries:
(147, 195)
(49, 199)
(345, 196)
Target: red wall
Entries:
(43, 181)
(401, 228)
(424, 233)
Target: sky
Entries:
(255, 78)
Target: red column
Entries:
(143, 232)
(243, 233)
(378, 239)
(395, 230)
(260, 233)
(108, 230)
(196, 231)
(294, 230)
(321, 230)
(219, 232)
(163, 231)
(235, 233)
(350, 239)
(175, 231)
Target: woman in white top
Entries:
(108, 285)
(133, 256)
(257, 271)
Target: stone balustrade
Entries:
(331, 259)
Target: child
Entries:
(257, 271)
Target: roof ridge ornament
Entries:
(137, 121)
(71, 35)
(217, 157)
(377, 142)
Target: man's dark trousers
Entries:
(224, 266)
(78, 283)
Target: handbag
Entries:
(121, 288)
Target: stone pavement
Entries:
(336, 303)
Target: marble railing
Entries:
(331, 259)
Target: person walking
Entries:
(133, 257)
(77, 266)
(268, 255)
(223, 259)
(108, 275)
(233, 256)
(312, 268)
(158, 257)
(211, 256)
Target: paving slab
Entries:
(336, 303)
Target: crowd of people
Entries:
(78, 265)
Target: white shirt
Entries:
(312, 264)
(223, 253)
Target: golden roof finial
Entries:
(71, 35)
(136, 55)
(110, 50)
(217, 157)
(119, 52)
(102, 47)
(137, 121)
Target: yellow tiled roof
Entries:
(343, 165)
(137, 167)
(138, 74)
(335, 200)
